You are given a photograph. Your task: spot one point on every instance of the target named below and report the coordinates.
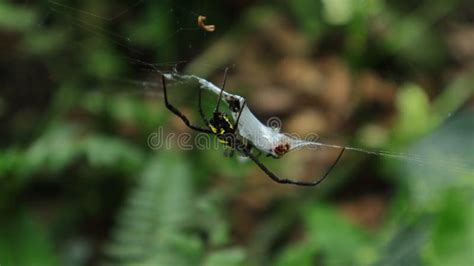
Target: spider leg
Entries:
(289, 181)
(178, 113)
(238, 117)
(257, 152)
(222, 90)
(201, 112)
(273, 156)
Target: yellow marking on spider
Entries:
(226, 118)
(213, 129)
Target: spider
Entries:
(220, 125)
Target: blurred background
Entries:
(80, 184)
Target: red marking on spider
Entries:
(281, 149)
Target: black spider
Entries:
(221, 126)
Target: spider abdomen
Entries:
(221, 125)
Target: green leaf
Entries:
(228, 257)
(24, 242)
(101, 59)
(405, 244)
(297, 254)
(455, 94)
(411, 39)
(414, 113)
(111, 152)
(452, 242)
(329, 238)
(16, 18)
(152, 226)
(338, 12)
(54, 150)
(339, 241)
(442, 161)
(308, 17)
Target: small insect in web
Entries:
(203, 26)
(220, 125)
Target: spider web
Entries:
(139, 33)
(137, 51)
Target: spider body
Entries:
(222, 127)
(234, 104)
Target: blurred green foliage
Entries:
(79, 184)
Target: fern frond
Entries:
(151, 230)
